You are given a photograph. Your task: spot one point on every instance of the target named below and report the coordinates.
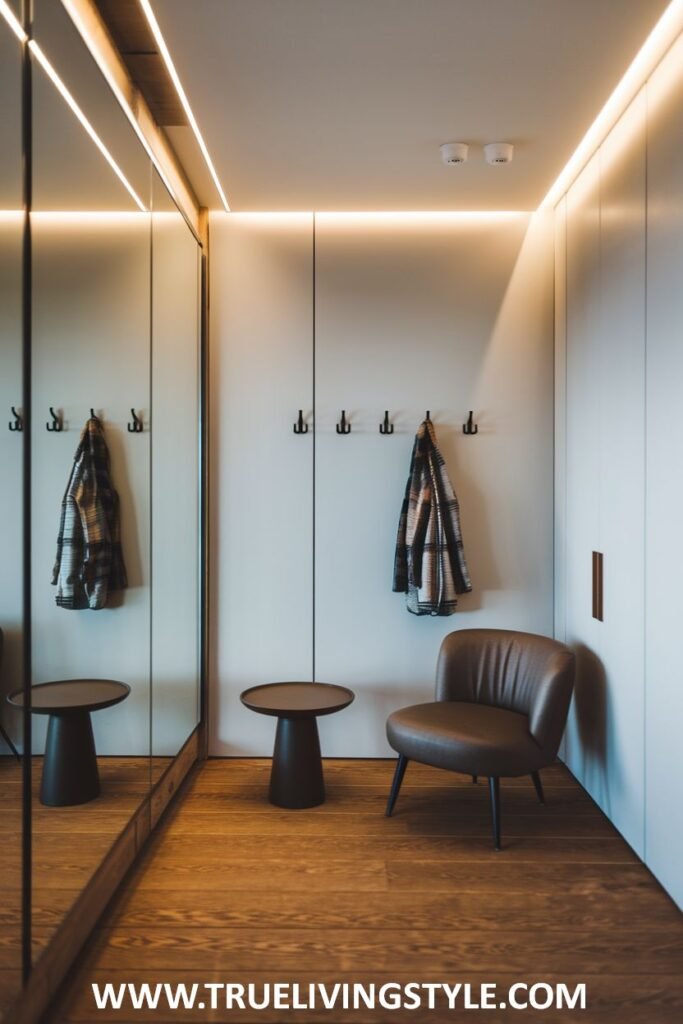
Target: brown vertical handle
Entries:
(598, 586)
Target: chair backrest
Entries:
(523, 672)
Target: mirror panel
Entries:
(11, 513)
(91, 295)
(175, 478)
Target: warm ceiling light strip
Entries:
(170, 67)
(74, 12)
(73, 105)
(662, 37)
(12, 20)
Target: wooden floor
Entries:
(68, 845)
(233, 889)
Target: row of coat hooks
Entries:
(57, 423)
(385, 427)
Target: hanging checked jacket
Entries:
(430, 564)
(89, 561)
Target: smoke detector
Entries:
(454, 153)
(499, 152)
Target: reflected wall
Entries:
(11, 514)
(175, 478)
(91, 312)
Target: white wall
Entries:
(619, 266)
(412, 313)
(664, 482)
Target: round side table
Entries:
(70, 773)
(296, 778)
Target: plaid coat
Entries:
(89, 561)
(430, 564)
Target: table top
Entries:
(64, 695)
(297, 700)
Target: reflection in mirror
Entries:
(91, 609)
(176, 477)
(11, 512)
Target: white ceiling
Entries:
(342, 104)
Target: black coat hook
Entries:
(343, 427)
(469, 428)
(18, 424)
(300, 427)
(56, 426)
(428, 418)
(386, 427)
(136, 426)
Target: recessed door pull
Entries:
(598, 609)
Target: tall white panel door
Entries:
(664, 533)
(622, 465)
(584, 743)
(446, 314)
(261, 375)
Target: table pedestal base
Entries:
(70, 773)
(296, 778)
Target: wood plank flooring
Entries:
(233, 889)
(69, 843)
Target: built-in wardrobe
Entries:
(101, 323)
(346, 318)
(619, 484)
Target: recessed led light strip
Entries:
(12, 20)
(662, 37)
(170, 67)
(73, 8)
(74, 107)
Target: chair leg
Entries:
(494, 790)
(538, 787)
(401, 766)
(474, 780)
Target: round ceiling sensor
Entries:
(454, 153)
(499, 152)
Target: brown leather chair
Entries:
(502, 699)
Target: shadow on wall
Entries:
(130, 538)
(474, 519)
(590, 702)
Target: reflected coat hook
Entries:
(300, 427)
(469, 428)
(56, 426)
(18, 424)
(386, 427)
(343, 427)
(136, 426)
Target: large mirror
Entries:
(11, 514)
(176, 478)
(91, 469)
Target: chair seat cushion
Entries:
(472, 738)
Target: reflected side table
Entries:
(70, 773)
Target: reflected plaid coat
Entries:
(89, 561)
(430, 564)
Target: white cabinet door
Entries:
(446, 314)
(622, 465)
(583, 741)
(261, 472)
(664, 535)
